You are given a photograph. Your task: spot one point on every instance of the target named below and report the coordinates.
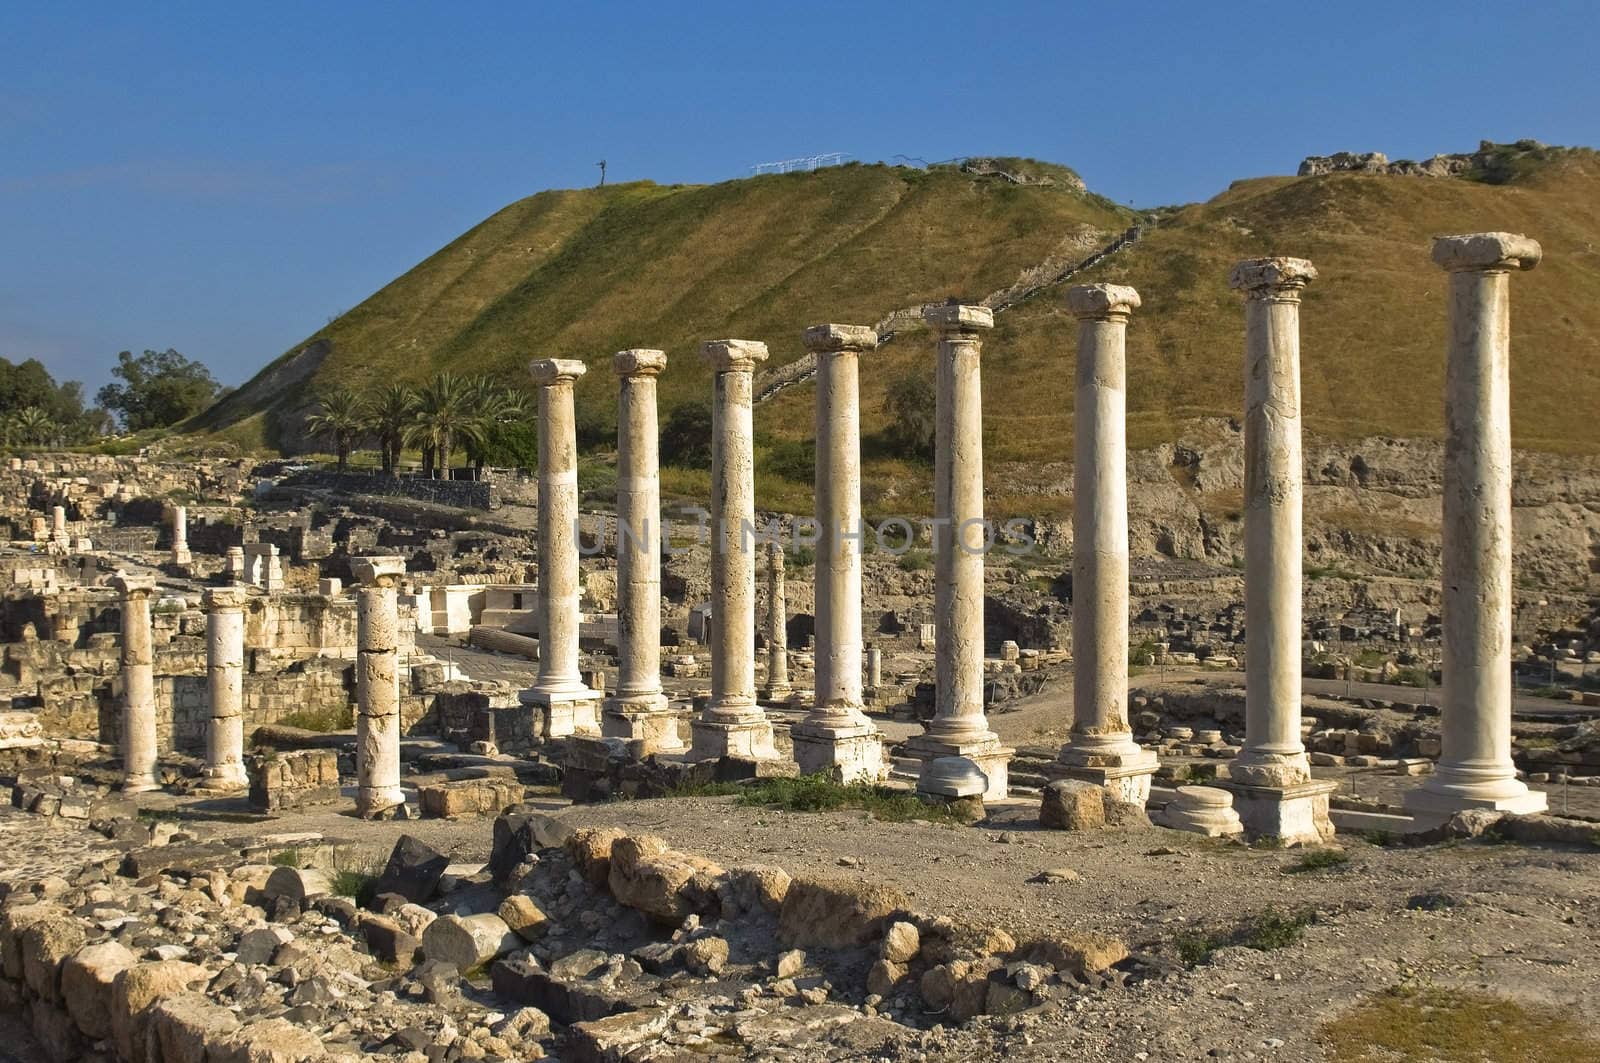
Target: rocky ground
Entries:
(1464, 916)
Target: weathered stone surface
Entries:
(296, 884)
(135, 989)
(1071, 804)
(261, 944)
(388, 941)
(183, 1028)
(835, 913)
(86, 979)
(590, 849)
(705, 955)
(45, 945)
(616, 1038)
(755, 888)
(901, 942)
(519, 833)
(1079, 954)
(659, 881)
(523, 916)
(268, 1041)
(468, 941)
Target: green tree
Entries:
(158, 388)
(389, 415)
(28, 384)
(445, 418)
(686, 437)
(910, 404)
(341, 417)
(502, 414)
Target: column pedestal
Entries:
(646, 722)
(564, 712)
(1126, 776)
(986, 751)
(850, 752)
(748, 739)
(1296, 814)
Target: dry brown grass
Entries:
(1456, 1026)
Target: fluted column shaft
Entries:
(777, 686)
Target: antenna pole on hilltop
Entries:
(602, 165)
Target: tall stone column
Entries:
(59, 538)
(225, 681)
(138, 685)
(559, 694)
(378, 685)
(1273, 790)
(638, 710)
(733, 724)
(776, 688)
(1101, 748)
(836, 736)
(1475, 769)
(959, 727)
(180, 536)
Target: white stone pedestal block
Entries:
(991, 757)
(747, 739)
(565, 712)
(646, 722)
(1125, 776)
(1295, 814)
(850, 753)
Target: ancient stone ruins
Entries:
(302, 774)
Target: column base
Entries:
(228, 779)
(182, 557)
(1206, 810)
(565, 712)
(1124, 775)
(779, 695)
(747, 739)
(645, 722)
(850, 751)
(373, 802)
(1441, 798)
(983, 749)
(140, 784)
(1270, 770)
(1295, 814)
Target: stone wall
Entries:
(464, 494)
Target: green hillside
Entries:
(584, 273)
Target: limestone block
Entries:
(138, 987)
(468, 941)
(1071, 804)
(835, 912)
(45, 945)
(659, 881)
(86, 979)
(181, 1028)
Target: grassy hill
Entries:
(584, 273)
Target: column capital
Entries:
(958, 317)
(134, 586)
(1272, 279)
(1101, 302)
(378, 571)
(639, 361)
(826, 339)
(734, 356)
(550, 372)
(225, 599)
(1486, 252)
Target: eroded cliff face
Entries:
(1371, 505)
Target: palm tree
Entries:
(445, 417)
(341, 417)
(389, 414)
(33, 425)
(494, 404)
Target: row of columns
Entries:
(1270, 778)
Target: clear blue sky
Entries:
(222, 178)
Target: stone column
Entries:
(638, 710)
(1101, 748)
(836, 737)
(138, 685)
(180, 536)
(874, 668)
(1271, 777)
(225, 681)
(58, 529)
(959, 727)
(733, 724)
(776, 689)
(378, 685)
(1475, 769)
(559, 694)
